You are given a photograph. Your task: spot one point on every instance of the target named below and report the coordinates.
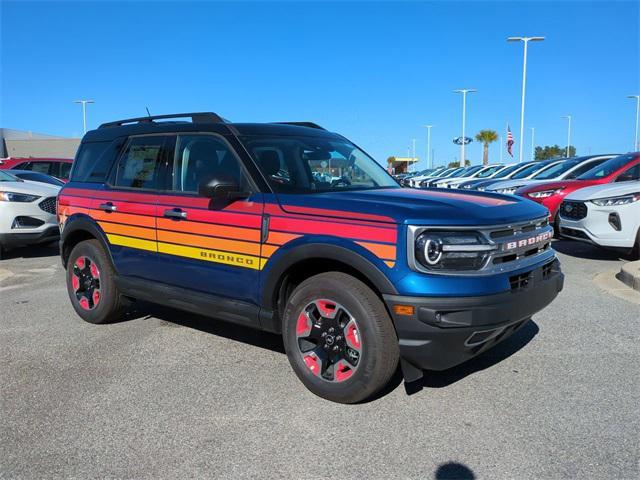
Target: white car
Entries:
(485, 172)
(606, 215)
(27, 212)
(415, 181)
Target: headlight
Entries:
(435, 250)
(622, 200)
(544, 193)
(17, 197)
(467, 187)
(508, 191)
(482, 189)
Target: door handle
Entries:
(108, 207)
(176, 213)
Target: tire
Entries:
(100, 302)
(361, 326)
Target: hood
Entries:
(604, 191)
(419, 207)
(31, 188)
(564, 184)
(509, 184)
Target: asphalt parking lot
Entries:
(172, 395)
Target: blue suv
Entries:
(291, 229)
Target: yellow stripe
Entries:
(132, 242)
(390, 264)
(216, 256)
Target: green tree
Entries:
(467, 162)
(486, 137)
(553, 151)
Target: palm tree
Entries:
(486, 137)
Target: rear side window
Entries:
(140, 164)
(65, 170)
(630, 174)
(23, 166)
(42, 167)
(93, 161)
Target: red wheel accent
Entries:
(96, 298)
(94, 271)
(343, 371)
(312, 363)
(326, 308)
(75, 282)
(84, 303)
(80, 263)
(352, 335)
(303, 326)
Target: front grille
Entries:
(518, 282)
(48, 205)
(573, 210)
(517, 231)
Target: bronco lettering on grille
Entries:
(529, 241)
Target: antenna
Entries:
(148, 113)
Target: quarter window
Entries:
(140, 164)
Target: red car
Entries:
(618, 169)
(56, 167)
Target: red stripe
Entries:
(75, 201)
(488, 201)
(345, 214)
(344, 230)
(225, 218)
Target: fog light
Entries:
(614, 221)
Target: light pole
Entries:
(526, 41)
(428, 127)
(464, 92)
(533, 134)
(636, 146)
(84, 112)
(413, 154)
(568, 117)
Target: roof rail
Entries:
(196, 117)
(302, 124)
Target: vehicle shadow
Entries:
(454, 471)
(273, 342)
(33, 251)
(493, 356)
(586, 251)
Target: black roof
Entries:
(201, 122)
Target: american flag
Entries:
(510, 141)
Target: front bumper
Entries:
(597, 226)
(446, 331)
(18, 239)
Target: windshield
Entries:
(455, 172)
(5, 177)
(607, 168)
(38, 177)
(530, 170)
(507, 171)
(489, 171)
(471, 170)
(555, 170)
(296, 164)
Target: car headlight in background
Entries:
(544, 193)
(17, 197)
(508, 190)
(621, 200)
(451, 251)
(467, 187)
(482, 189)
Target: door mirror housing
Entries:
(221, 189)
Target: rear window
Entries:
(607, 168)
(93, 161)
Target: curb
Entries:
(630, 274)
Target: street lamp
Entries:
(636, 146)
(533, 134)
(526, 41)
(464, 92)
(428, 127)
(568, 117)
(413, 155)
(84, 112)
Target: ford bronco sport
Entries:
(288, 228)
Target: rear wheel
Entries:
(339, 338)
(91, 285)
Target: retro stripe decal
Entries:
(230, 236)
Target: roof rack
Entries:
(302, 124)
(196, 117)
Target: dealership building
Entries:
(18, 143)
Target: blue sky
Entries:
(374, 72)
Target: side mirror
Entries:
(221, 189)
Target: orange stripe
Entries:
(268, 250)
(139, 220)
(279, 238)
(382, 251)
(390, 264)
(208, 242)
(236, 233)
(126, 230)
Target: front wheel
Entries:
(339, 338)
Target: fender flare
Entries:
(80, 222)
(322, 251)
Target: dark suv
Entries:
(289, 228)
